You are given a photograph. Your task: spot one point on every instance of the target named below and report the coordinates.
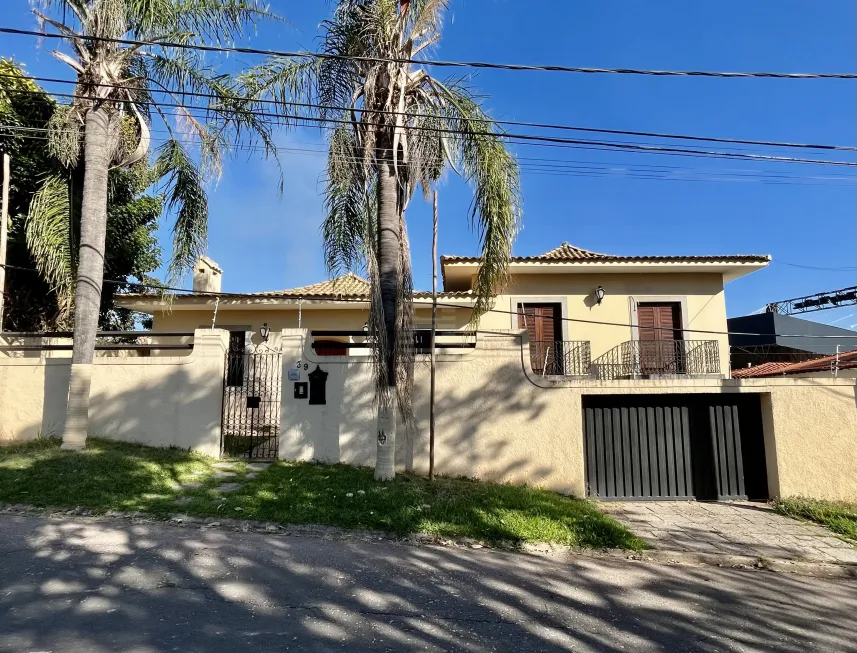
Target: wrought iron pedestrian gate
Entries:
(250, 422)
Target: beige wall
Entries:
(701, 295)
(497, 421)
(157, 401)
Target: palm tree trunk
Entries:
(389, 272)
(90, 274)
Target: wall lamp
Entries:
(599, 295)
(264, 332)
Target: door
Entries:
(543, 322)
(660, 342)
(673, 447)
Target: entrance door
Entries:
(543, 322)
(660, 342)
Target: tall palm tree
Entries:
(120, 90)
(394, 128)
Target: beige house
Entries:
(598, 375)
(586, 313)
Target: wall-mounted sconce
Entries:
(599, 295)
(264, 331)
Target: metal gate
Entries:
(250, 421)
(664, 447)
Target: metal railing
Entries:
(106, 340)
(560, 357)
(648, 358)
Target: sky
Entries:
(266, 241)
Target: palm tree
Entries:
(120, 90)
(394, 128)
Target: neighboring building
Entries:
(776, 338)
(675, 300)
(842, 365)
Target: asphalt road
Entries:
(75, 584)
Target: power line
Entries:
(537, 125)
(324, 123)
(361, 300)
(603, 171)
(813, 267)
(429, 62)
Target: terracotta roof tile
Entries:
(847, 361)
(764, 369)
(567, 253)
(349, 286)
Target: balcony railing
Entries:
(653, 358)
(560, 358)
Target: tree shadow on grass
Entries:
(116, 586)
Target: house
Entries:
(770, 337)
(586, 313)
(593, 374)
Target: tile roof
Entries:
(348, 285)
(764, 369)
(847, 361)
(567, 253)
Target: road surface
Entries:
(69, 585)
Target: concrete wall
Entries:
(157, 401)
(497, 421)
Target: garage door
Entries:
(664, 447)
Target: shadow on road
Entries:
(75, 585)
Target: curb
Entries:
(656, 556)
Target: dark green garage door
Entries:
(669, 446)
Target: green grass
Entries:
(840, 517)
(118, 476)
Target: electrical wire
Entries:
(813, 267)
(428, 62)
(362, 300)
(594, 170)
(537, 125)
(325, 123)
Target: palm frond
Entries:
(186, 195)
(348, 203)
(494, 174)
(210, 21)
(48, 239)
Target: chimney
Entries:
(207, 276)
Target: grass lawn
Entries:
(119, 476)
(840, 517)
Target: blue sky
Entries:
(264, 241)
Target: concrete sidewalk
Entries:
(79, 584)
(738, 528)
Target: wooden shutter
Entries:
(659, 328)
(658, 321)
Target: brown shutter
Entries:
(646, 320)
(527, 319)
(547, 322)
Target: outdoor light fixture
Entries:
(264, 331)
(599, 295)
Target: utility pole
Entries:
(4, 225)
(433, 332)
